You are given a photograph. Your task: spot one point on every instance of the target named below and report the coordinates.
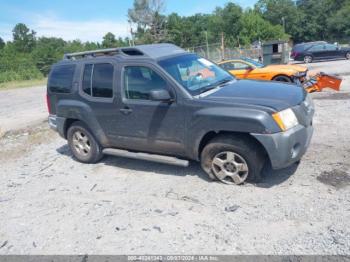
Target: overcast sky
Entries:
(87, 20)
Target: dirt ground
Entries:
(51, 204)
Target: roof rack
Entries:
(93, 53)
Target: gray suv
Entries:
(161, 103)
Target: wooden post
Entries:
(222, 46)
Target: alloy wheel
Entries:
(230, 168)
(81, 143)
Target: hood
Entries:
(295, 68)
(274, 95)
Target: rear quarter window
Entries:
(61, 79)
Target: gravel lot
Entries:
(51, 204)
(21, 108)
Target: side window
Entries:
(140, 80)
(98, 80)
(61, 79)
(228, 66)
(240, 66)
(317, 48)
(330, 47)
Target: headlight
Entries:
(285, 119)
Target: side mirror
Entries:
(160, 95)
(250, 68)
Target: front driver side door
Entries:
(238, 69)
(143, 124)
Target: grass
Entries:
(24, 83)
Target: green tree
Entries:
(109, 40)
(48, 50)
(23, 38)
(256, 28)
(227, 20)
(16, 66)
(2, 43)
(147, 15)
(339, 24)
(281, 12)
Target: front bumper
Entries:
(286, 148)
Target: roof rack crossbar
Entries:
(107, 51)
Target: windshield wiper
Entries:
(216, 85)
(223, 81)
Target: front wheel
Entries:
(282, 78)
(233, 160)
(347, 56)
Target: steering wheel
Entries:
(195, 79)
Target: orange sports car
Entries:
(250, 69)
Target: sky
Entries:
(85, 19)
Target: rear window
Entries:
(298, 48)
(61, 79)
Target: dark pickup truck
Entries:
(161, 103)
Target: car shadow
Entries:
(270, 177)
(316, 61)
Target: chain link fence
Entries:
(216, 53)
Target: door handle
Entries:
(126, 110)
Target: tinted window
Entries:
(98, 80)
(87, 79)
(317, 48)
(102, 80)
(331, 47)
(61, 79)
(240, 66)
(227, 66)
(139, 81)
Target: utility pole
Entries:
(284, 24)
(207, 44)
(131, 41)
(222, 46)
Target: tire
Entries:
(347, 55)
(282, 78)
(83, 144)
(308, 59)
(247, 155)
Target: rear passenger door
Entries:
(97, 91)
(145, 125)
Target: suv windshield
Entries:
(194, 73)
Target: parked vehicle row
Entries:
(246, 68)
(161, 103)
(312, 51)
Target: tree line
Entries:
(28, 56)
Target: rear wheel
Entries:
(233, 160)
(83, 144)
(308, 59)
(282, 78)
(347, 56)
